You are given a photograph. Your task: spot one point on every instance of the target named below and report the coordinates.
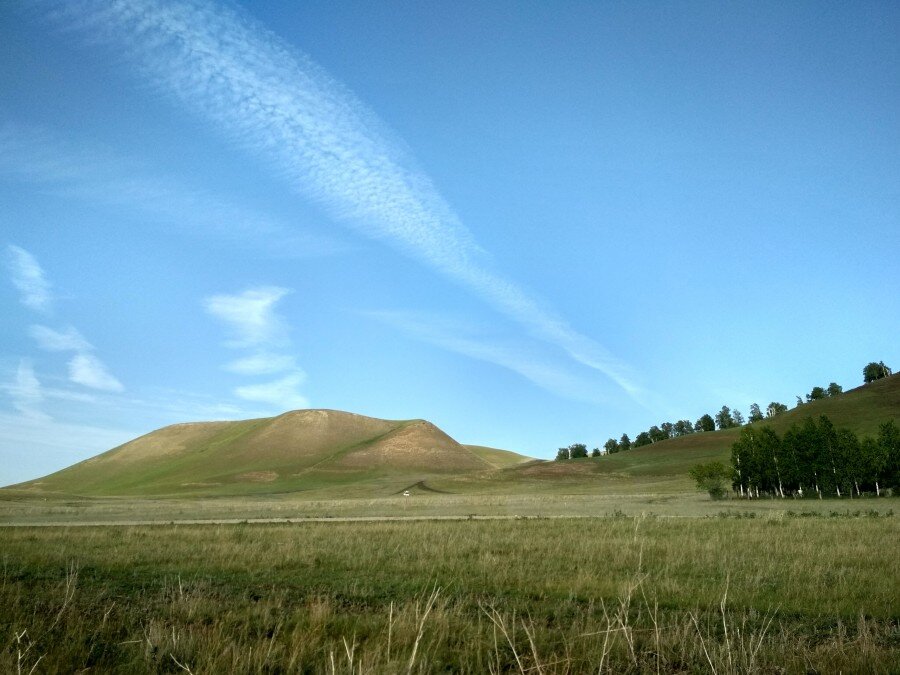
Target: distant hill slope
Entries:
(300, 450)
(497, 458)
(663, 467)
(330, 454)
(860, 410)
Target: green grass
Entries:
(616, 595)
(23, 508)
(498, 459)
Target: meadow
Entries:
(286, 545)
(737, 591)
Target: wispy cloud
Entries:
(250, 316)
(89, 371)
(275, 102)
(99, 177)
(282, 393)
(255, 324)
(84, 368)
(28, 277)
(516, 355)
(68, 340)
(263, 363)
(25, 391)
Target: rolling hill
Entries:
(662, 467)
(331, 454)
(297, 451)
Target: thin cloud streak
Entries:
(26, 391)
(84, 368)
(282, 392)
(276, 103)
(255, 325)
(251, 316)
(69, 340)
(28, 277)
(38, 157)
(516, 357)
(87, 370)
(262, 364)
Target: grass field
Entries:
(617, 594)
(615, 564)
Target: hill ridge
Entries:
(298, 450)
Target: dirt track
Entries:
(270, 521)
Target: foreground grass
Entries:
(614, 595)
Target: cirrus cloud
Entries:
(89, 371)
(28, 277)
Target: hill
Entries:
(331, 454)
(303, 450)
(662, 467)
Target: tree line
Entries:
(726, 418)
(811, 459)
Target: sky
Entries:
(532, 224)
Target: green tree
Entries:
(851, 461)
(889, 446)
(871, 463)
(611, 446)
(683, 428)
(835, 389)
(596, 452)
(832, 471)
(875, 371)
(712, 478)
(775, 408)
(657, 434)
(816, 394)
(624, 443)
(578, 451)
(737, 418)
(755, 413)
(705, 423)
(641, 440)
(561, 454)
(723, 418)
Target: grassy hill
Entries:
(330, 454)
(301, 450)
(662, 467)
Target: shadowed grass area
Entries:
(615, 595)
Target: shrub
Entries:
(712, 478)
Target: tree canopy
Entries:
(815, 458)
(875, 371)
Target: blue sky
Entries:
(530, 223)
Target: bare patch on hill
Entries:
(310, 433)
(259, 476)
(419, 446)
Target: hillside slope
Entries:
(663, 467)
(299, 450)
